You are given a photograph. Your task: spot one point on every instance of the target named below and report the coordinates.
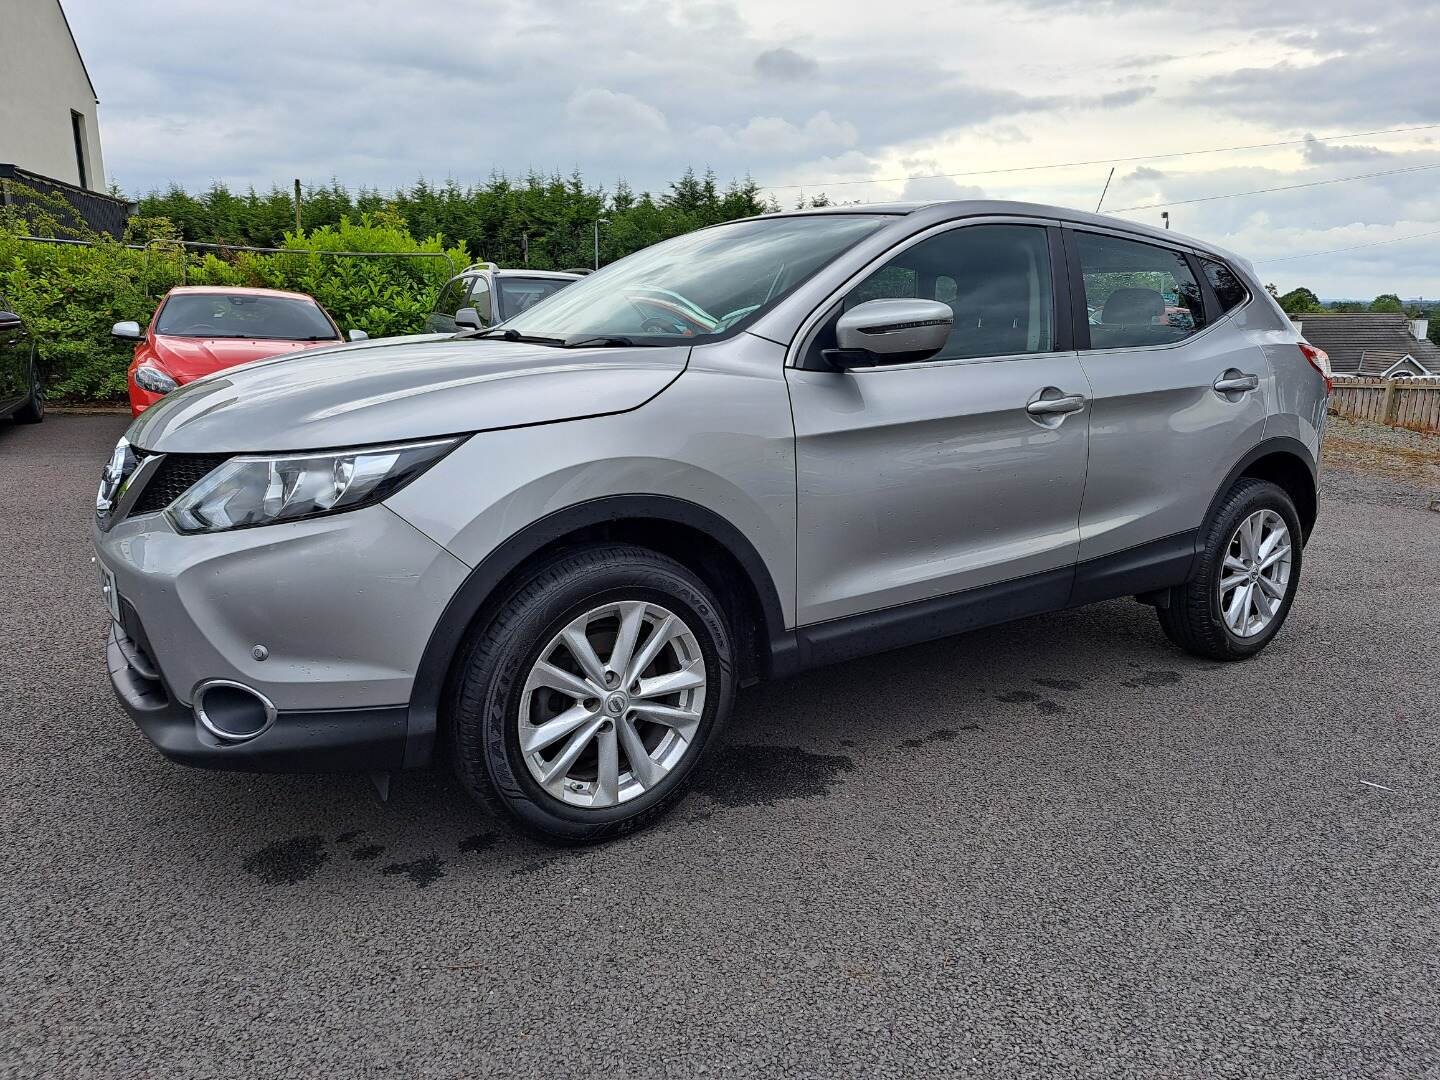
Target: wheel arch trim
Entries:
(1283, 446)
(446, 639)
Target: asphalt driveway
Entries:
(1054, 848)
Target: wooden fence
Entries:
(1409, 403)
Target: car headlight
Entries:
(154, 380)
(266, 489)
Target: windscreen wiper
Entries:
(507, 334)
(601, 341)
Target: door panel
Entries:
(1162, 437)
(928, 479)
(14, 363)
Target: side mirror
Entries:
(469, 318)
(356, 335)
(904, 330)
(129, 330)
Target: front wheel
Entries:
(584, 705)
(1249, 571)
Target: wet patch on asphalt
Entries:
(764, 775)
(1148, 679)
(367, 853)
(423, 872)
(478, 842)
(938, 735)
(1068, 685)
(288, 862)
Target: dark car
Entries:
(22, 394)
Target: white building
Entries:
(48, 121)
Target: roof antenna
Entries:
(1105, 188)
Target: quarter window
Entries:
(1228, 289)
(1137, 294)
(995, 278)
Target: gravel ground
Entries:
(1058, 848)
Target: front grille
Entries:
(177, 474)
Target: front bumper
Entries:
(342, 608)
(370, 740)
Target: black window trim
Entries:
(1080, 314)
(1061, 317)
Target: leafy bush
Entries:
(71, 295)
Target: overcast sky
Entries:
(849, 97)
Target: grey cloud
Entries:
(1316, 152)
(395, 94)
(784, 64)
(1118, 99)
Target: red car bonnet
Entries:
(187, 358)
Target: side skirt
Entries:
(1160, 564)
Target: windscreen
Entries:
(517, 293)
(699, 285)
(263, 318)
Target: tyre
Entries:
(582, 707)
(1249, 570)
(33, 411)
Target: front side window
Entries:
(254, 318)
(995, 278)
(452, 296)
(1137, 294)
(1228, 288)
(698, 286)
(480, 301)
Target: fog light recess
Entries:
(232, 711)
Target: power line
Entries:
(1286, 187)
(1101, 161)
(1352, 247)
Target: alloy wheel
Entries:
(613, 704)
(1256, 573)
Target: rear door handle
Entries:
(1056, 406)
(1236, 382)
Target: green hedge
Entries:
(71, 295)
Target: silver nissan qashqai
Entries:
(551, 551)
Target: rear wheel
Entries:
(1249, 571)
(584, 705)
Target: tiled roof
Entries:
(1348, 337)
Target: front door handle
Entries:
(1057, 406)
(1236, 382)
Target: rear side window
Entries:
(995, 278)
(1228, 289)
(1137, 294)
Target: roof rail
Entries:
(581, 270)
(480, 266)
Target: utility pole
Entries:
(525, 248)
(298, 227)
(598, 223)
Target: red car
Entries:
(201, 329)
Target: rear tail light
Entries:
(1320, 361)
